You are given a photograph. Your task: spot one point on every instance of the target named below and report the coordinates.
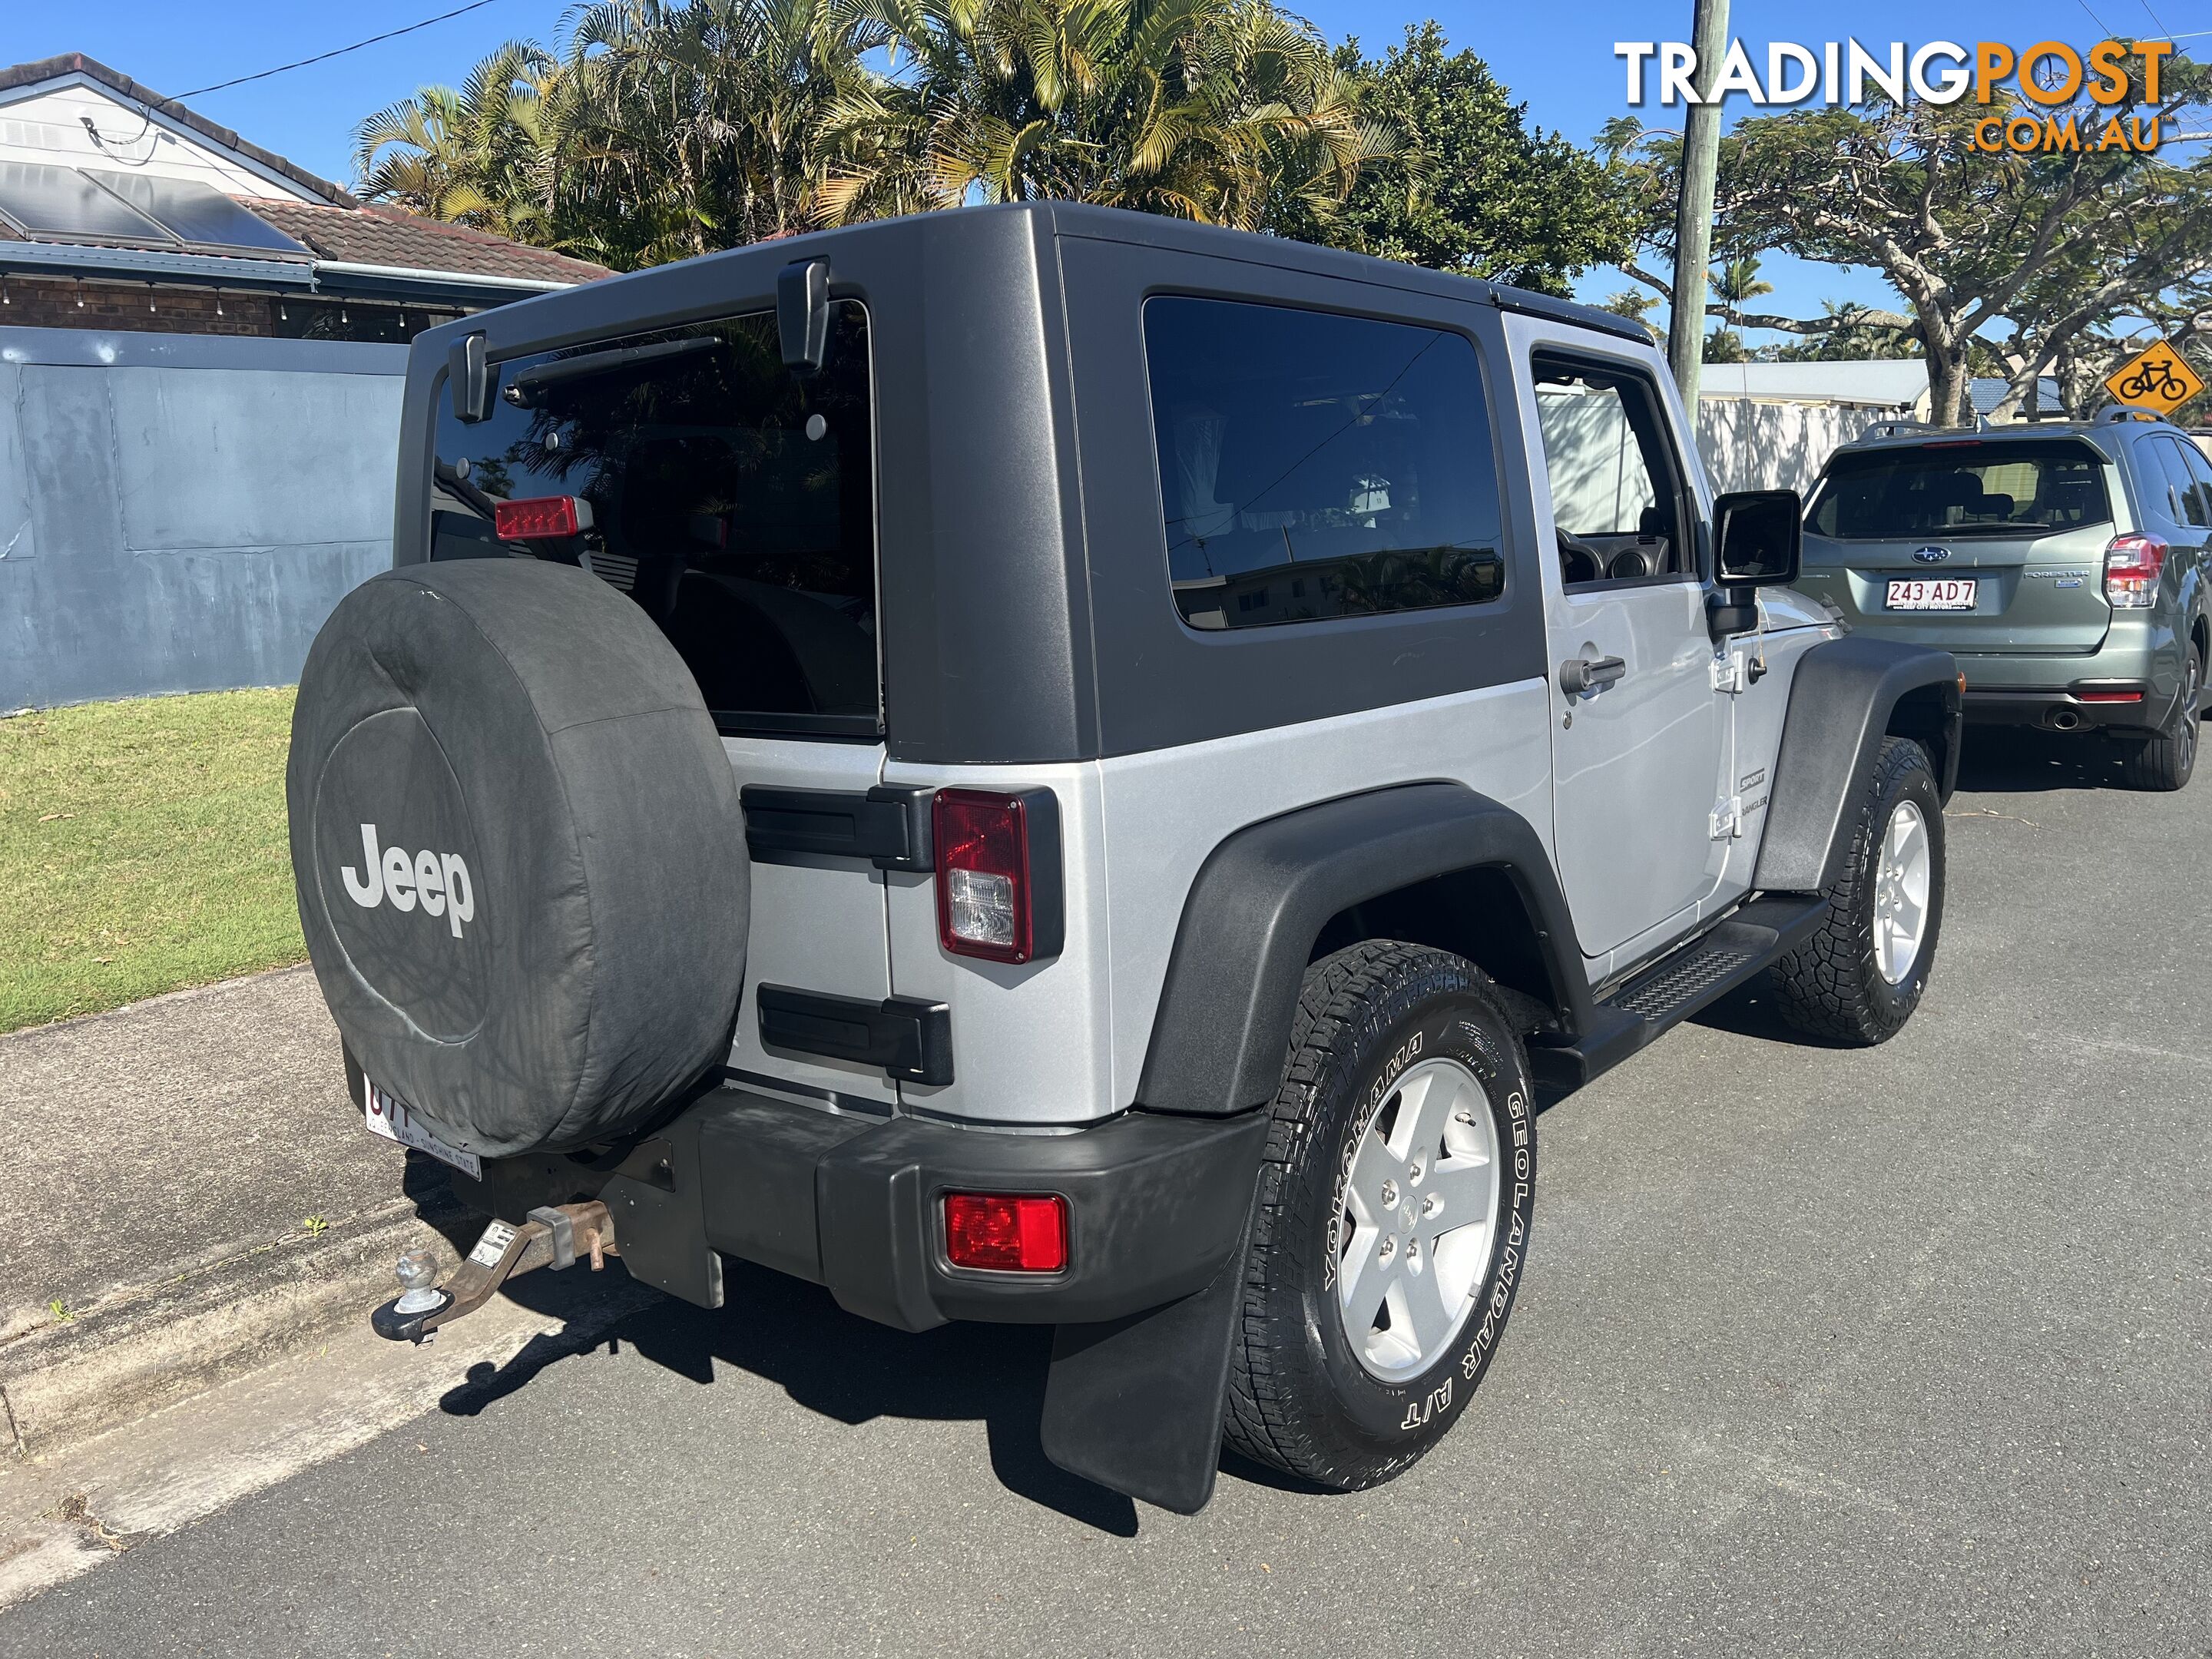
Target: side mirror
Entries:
(1756, 537)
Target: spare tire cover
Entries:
(520, 861)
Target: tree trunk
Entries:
(1949, 382)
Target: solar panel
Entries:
(51, 201)
(195, 213)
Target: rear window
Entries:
(1314, 466)
(730, 498)
(2005, 489)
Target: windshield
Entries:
(730, 498)
(1963, 488)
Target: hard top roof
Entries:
(1070, 219)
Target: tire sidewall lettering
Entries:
(1442, 1019)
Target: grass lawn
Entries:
(141, 848)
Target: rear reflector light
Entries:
(1007, 1234)
(984, 896)
(2132, 564)
(2108, 697)
(539, 518)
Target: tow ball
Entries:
(554, 1235)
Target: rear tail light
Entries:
(997, 873)
(540, 518)
(2132, 564)
(1006, 1233)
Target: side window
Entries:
(1616, 491)
(2166, 477)
(2198, 498)
(1313, 466)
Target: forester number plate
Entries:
(1938, 594)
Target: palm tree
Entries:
(1213, 109)
(479, 156)
(1737, 281)
(695, 126)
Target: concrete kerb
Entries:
(193, 1196)
(144, 1347)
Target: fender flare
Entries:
(1262, 897)
(1841, 700)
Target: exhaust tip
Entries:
(2065, 719)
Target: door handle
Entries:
(1581, 674)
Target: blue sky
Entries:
(1557, 57)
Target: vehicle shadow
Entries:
(846, 1367)
(1998, 760)
(1752, 1012)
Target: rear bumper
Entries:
(1155, 1205)
(2084, 705)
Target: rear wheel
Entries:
(1392, 1220)
(1859, 978)
(2166, 761)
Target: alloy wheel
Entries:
(1415, 1222)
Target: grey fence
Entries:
(179, 512)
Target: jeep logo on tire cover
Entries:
(438, 881)
(400, 875)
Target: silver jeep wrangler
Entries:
(1044, 764)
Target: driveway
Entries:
(1819, 1351)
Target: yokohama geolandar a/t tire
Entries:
(1859, 978)
(520, 864)
(1392, 1219)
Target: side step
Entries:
(1692, 977)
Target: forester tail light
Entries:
(2132, 564)
(1000, 893)
(1006, 1233)
(540, 518)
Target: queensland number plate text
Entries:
(390, 1118)
(1935, 593)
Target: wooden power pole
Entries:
(1693, 214)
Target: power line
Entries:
(340, 52)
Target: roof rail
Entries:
(1890, 428)
(2113, 414)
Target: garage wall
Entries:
(180, 513)
(1744, 445)
(1748, 445)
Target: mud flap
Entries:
(1136, 1404)
(654, 1198)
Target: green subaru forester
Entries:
(2061, 563)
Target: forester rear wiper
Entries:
(527, 389)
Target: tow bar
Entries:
(552, 1237)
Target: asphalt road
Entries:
(1819, 1351)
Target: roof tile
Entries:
(406, 241)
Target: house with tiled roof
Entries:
(123, 209)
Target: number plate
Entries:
(1932, 593)
(390, 1118)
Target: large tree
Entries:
(477, 155)
(1480, 190)
(1228, 112)
(2039, 247)
(696, 125)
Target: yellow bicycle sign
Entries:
(2156, 378)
